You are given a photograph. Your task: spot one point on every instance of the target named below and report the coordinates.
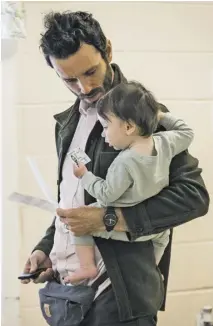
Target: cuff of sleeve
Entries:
(137, 220)
(41, 248)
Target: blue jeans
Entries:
(104, 313)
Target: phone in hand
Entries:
(33, 276)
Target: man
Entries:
(78, 51)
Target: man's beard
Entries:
(107, 84)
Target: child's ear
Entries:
(130, 128)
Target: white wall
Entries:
(168, 47)
(9, 160)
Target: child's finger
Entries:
(81, 165)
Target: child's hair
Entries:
(131, 101)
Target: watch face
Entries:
(110, 219)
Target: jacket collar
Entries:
(64, 117)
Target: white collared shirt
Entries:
(71, 191)
(72, 195)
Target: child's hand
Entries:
(80, 170)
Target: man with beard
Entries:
(133, 290)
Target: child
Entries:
(130, 115)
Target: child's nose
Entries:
(103, 133)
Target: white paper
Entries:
(33, 201)
(50, 204)
(40, 180)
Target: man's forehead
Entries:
(78, 63)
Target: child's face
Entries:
(115, 132)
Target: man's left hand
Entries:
(83, 220)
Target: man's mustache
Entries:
(91, 94)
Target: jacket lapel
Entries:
(67, 123)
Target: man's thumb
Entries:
(34, 265)
(60, 212)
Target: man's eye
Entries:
(90, 73)
(71, 81)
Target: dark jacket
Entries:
(136, 281)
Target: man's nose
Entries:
(85, 88)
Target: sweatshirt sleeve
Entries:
(118, 180)
(178, 134)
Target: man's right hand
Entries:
(38, 259)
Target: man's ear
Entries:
(109, 51)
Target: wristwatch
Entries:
(110, 219)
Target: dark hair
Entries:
(65, 32)
(131, 101)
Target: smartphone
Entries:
(34, 275)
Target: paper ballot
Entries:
(49, 204)
(33, 201)
(39, 179)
